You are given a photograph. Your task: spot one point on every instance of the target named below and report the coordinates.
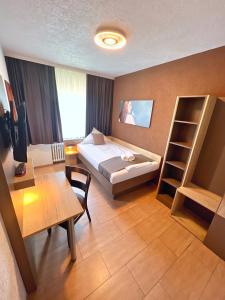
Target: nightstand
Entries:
(71, 155)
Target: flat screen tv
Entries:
(136, 112)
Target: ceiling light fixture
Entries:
(110, 40)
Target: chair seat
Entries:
(81, 200)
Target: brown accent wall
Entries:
(210, 169)
(202, 73)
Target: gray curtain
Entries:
(99, 104)
(35, 84)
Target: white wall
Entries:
(11, 285)
(3, 73)
(3, 70)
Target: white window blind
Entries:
(71, 88)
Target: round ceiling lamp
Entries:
(110, 40)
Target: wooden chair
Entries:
(84, 186)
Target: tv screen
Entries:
(136, 112)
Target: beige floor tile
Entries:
(94, 203)
(94, 236)
(95, 197)
(206, 256)
(43, 240)
(61, 257)
(130, 218)
(143, 192)
(104, 212)
(77, 282)
(157, 293)
(46, 248)
(186, 279)
(120, 205)
(88, 275)
(120, 286)
(153, 226)
(176, 238)
(150, 264)
(97, 192)
(83, 222)
(151, 206)
(119, 251)
(215, 289)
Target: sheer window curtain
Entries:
(71, 88)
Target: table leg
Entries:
(71, 235)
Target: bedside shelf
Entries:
(178, 164)
(202, 196)
(71, 159)
(172, 181)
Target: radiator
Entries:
(58, 152)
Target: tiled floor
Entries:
(132, 249)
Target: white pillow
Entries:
(89, 138)
(94, 130)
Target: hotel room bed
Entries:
(125, 179)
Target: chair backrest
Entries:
(76, 183)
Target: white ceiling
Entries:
(158, 31)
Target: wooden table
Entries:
(50, 202)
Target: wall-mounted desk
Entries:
(50, 202)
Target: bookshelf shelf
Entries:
(172, 181)
(178, 164)
(202, 196)
(187, 145)
(186, 122)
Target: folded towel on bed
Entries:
(127, 156)
(140, 165)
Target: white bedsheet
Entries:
(95, 154)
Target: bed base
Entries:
(119, 188)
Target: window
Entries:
(71, 88)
